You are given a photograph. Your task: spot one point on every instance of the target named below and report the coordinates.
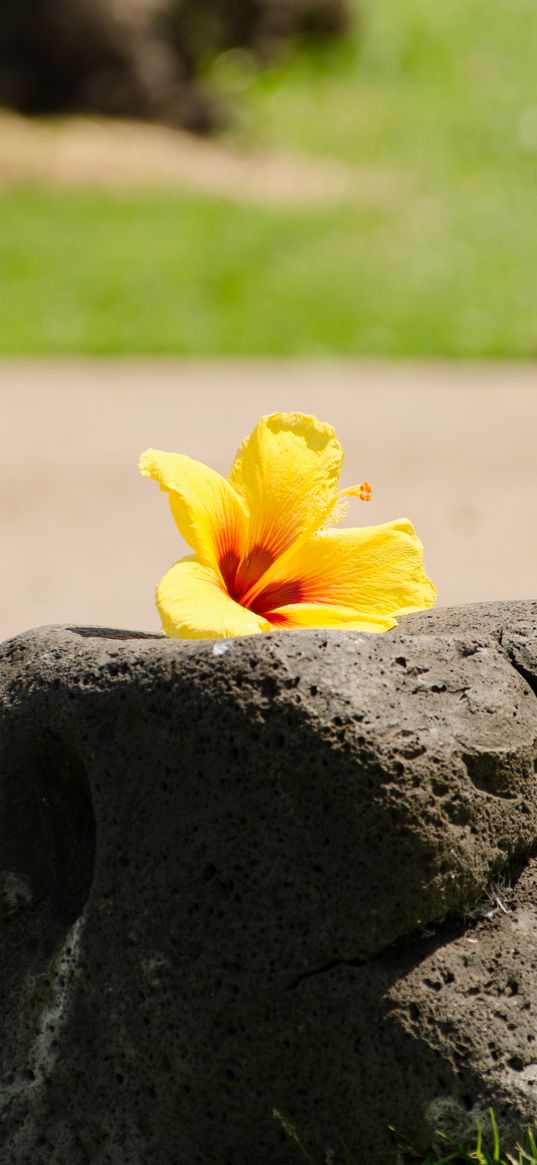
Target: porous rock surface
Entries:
(243, 875)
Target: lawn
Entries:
(432, 102)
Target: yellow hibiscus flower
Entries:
(266, 554)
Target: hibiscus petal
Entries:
(287, 473)
(377, 571)
(208, 512)
(193, 604)
(297, 615)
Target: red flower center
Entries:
(241, 575)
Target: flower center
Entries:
(277, 595)
(240, 575)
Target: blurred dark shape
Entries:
(208, 27)
(96, 55)
(140, 58)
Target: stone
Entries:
(464, 1018)
(218, 862)
(428, 1035)
(513, 625)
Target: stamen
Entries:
(362, 491)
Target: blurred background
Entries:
(212, 209)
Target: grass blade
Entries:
(496, 1136)
(292, 1134)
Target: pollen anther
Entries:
(362, 491)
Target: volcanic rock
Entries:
(221, 864)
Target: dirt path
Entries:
(84, 538)
(115, 155)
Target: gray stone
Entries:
(464, 1019)
(512, 625)
(216, 862)
(426, 1036)
(491, 620)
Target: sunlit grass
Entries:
(435, 101)
(445, 89)
(100, 274)
(485, 1150)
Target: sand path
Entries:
(85, 539)
(125, 156)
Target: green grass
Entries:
(435, 101)
(485, 1151)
